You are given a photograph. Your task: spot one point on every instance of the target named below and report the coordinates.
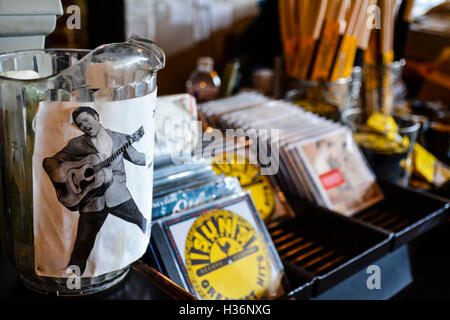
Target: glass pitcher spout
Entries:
(154, 51)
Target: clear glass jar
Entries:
(390, 160)
(327, 99)
(380, 87)
(122, 71)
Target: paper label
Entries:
(384, 124)
(327, 48)
(92, 185)
(222, 246)
(332, 179)
(222, 251)
(424, 162)
(345, 59)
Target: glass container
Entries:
(380, 89)
(390, 160)
(327, 99)
(40, 91)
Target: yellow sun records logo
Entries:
(250, 179)
(226, 258)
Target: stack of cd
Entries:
(209, 238)
(212, 111)
(316, 158)
(220, 250)
(181, 187)
(207, 233)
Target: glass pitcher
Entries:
(76, 172)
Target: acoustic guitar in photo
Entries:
(76, 182)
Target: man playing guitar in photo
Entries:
(89, 177)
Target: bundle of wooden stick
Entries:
(324, 39)
(386, 45)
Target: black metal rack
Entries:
(321, 246)
(405, 213)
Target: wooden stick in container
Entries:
(387, 45)
(387, 30)
(329, 40)
(372, 55)
(367, 53)
(363, 38)
(313, 18)
(346, 54)
(401, 31)
(288, 34)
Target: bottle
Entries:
(203, 83)
(231, 78)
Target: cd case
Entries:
(338, 172)
(187, 198)
(310, 156)
(220, 251)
